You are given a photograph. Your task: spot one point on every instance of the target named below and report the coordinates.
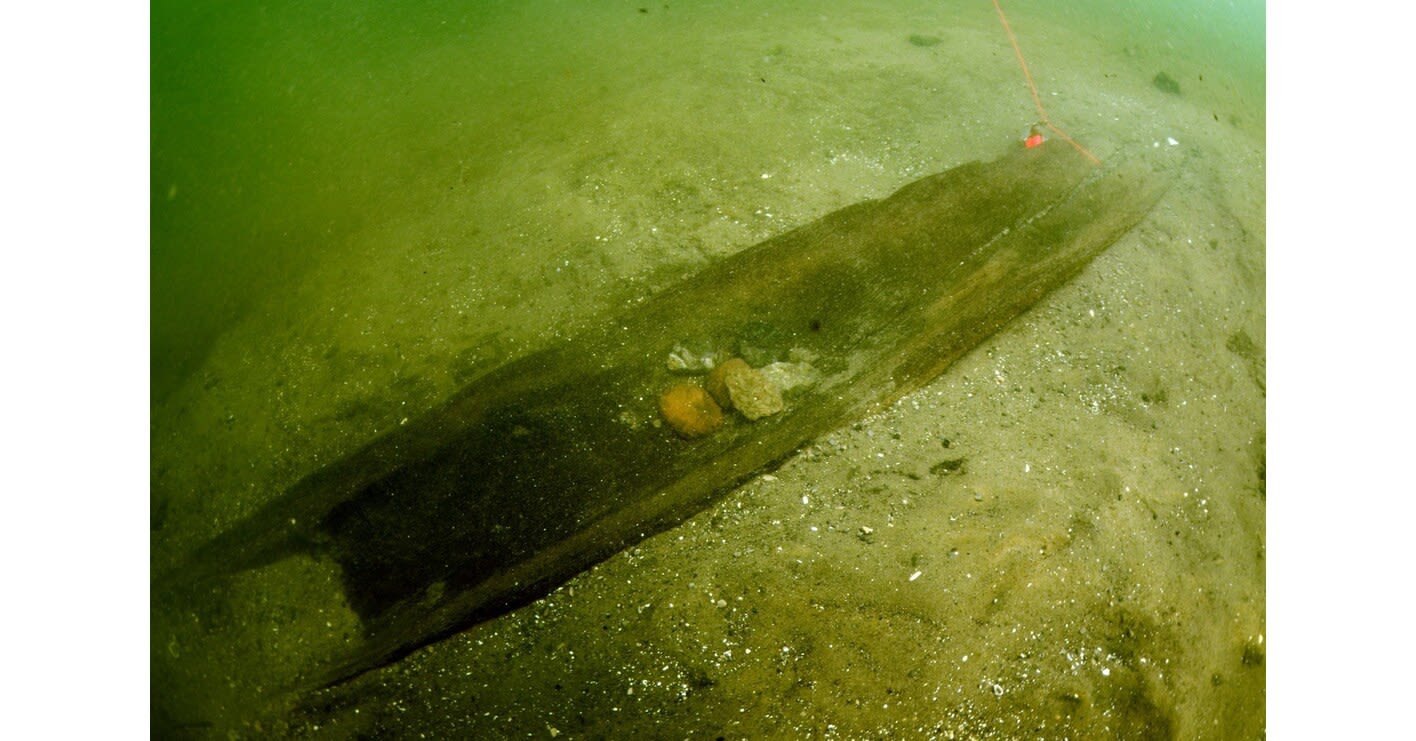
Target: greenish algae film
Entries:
(358, 209)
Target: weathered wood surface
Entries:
(548, 465)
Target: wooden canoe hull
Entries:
(547, 465)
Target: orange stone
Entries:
(690, 410)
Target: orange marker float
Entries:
(1034, 138)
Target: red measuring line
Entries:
(1037, 100)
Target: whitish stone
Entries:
(683, 359)
(788, 376)
(753, 394)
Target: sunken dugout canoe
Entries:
(556, 461)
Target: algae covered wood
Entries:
(553, 462)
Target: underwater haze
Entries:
(358, 208)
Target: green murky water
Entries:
(358, 207)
